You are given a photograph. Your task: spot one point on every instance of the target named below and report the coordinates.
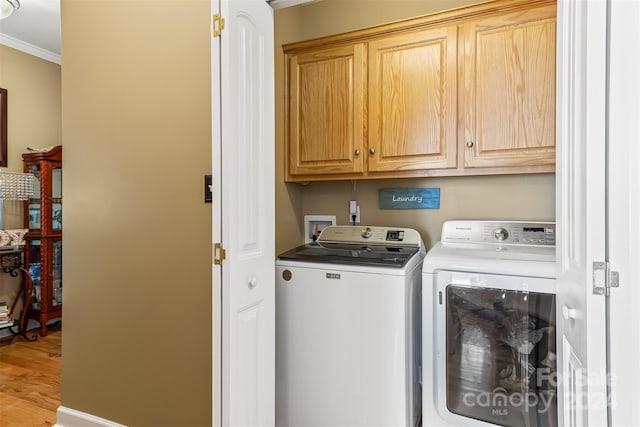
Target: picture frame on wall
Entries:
(3, 127)
(314, 224)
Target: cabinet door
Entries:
(508, 89)
(412, 101)
(326, 111)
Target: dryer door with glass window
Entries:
(497, 349)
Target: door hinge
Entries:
(219, 254)
(218, 24)
(604, 278)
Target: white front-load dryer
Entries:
(489, 315)
(348, 329)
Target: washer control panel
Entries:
(396, 236)
(504, 232)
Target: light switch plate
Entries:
(208, 194)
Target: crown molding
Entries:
(281, 4)
(30, 49)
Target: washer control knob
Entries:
(366, 233)
(501, 234)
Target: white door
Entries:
(243, 198)
(580, 195)
(624, 210)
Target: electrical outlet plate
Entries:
(354, 209)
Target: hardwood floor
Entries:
(30, 381)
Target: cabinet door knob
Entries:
(357, 152)
(469, 144)
(372, 151)
(253, 282)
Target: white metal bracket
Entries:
(604, 278)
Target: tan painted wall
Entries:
(496, 197)
(34, 120)
(289, 222)
(517, 197)
(136, 120)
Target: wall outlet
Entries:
(354, 212)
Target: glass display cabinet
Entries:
(43, 217)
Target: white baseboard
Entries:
(68, 417)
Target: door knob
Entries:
(253, 282)
(568, 313)
(357, 152)
(372, 151)
(469, 144)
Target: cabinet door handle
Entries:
(469, 144)
(253, 282)
(372, 151)
(357, 152)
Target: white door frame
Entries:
(624, 210)
(216, 221)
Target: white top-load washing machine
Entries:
(489, 316)
(348, 329)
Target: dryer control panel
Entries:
(503, 232)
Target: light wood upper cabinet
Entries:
(508, 89)
(468, 91)
(412, 101)
(326, 111)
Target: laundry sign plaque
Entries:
(409, 198)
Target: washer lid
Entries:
(360, 245)
(353, 254)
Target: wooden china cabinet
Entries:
(43, 218)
